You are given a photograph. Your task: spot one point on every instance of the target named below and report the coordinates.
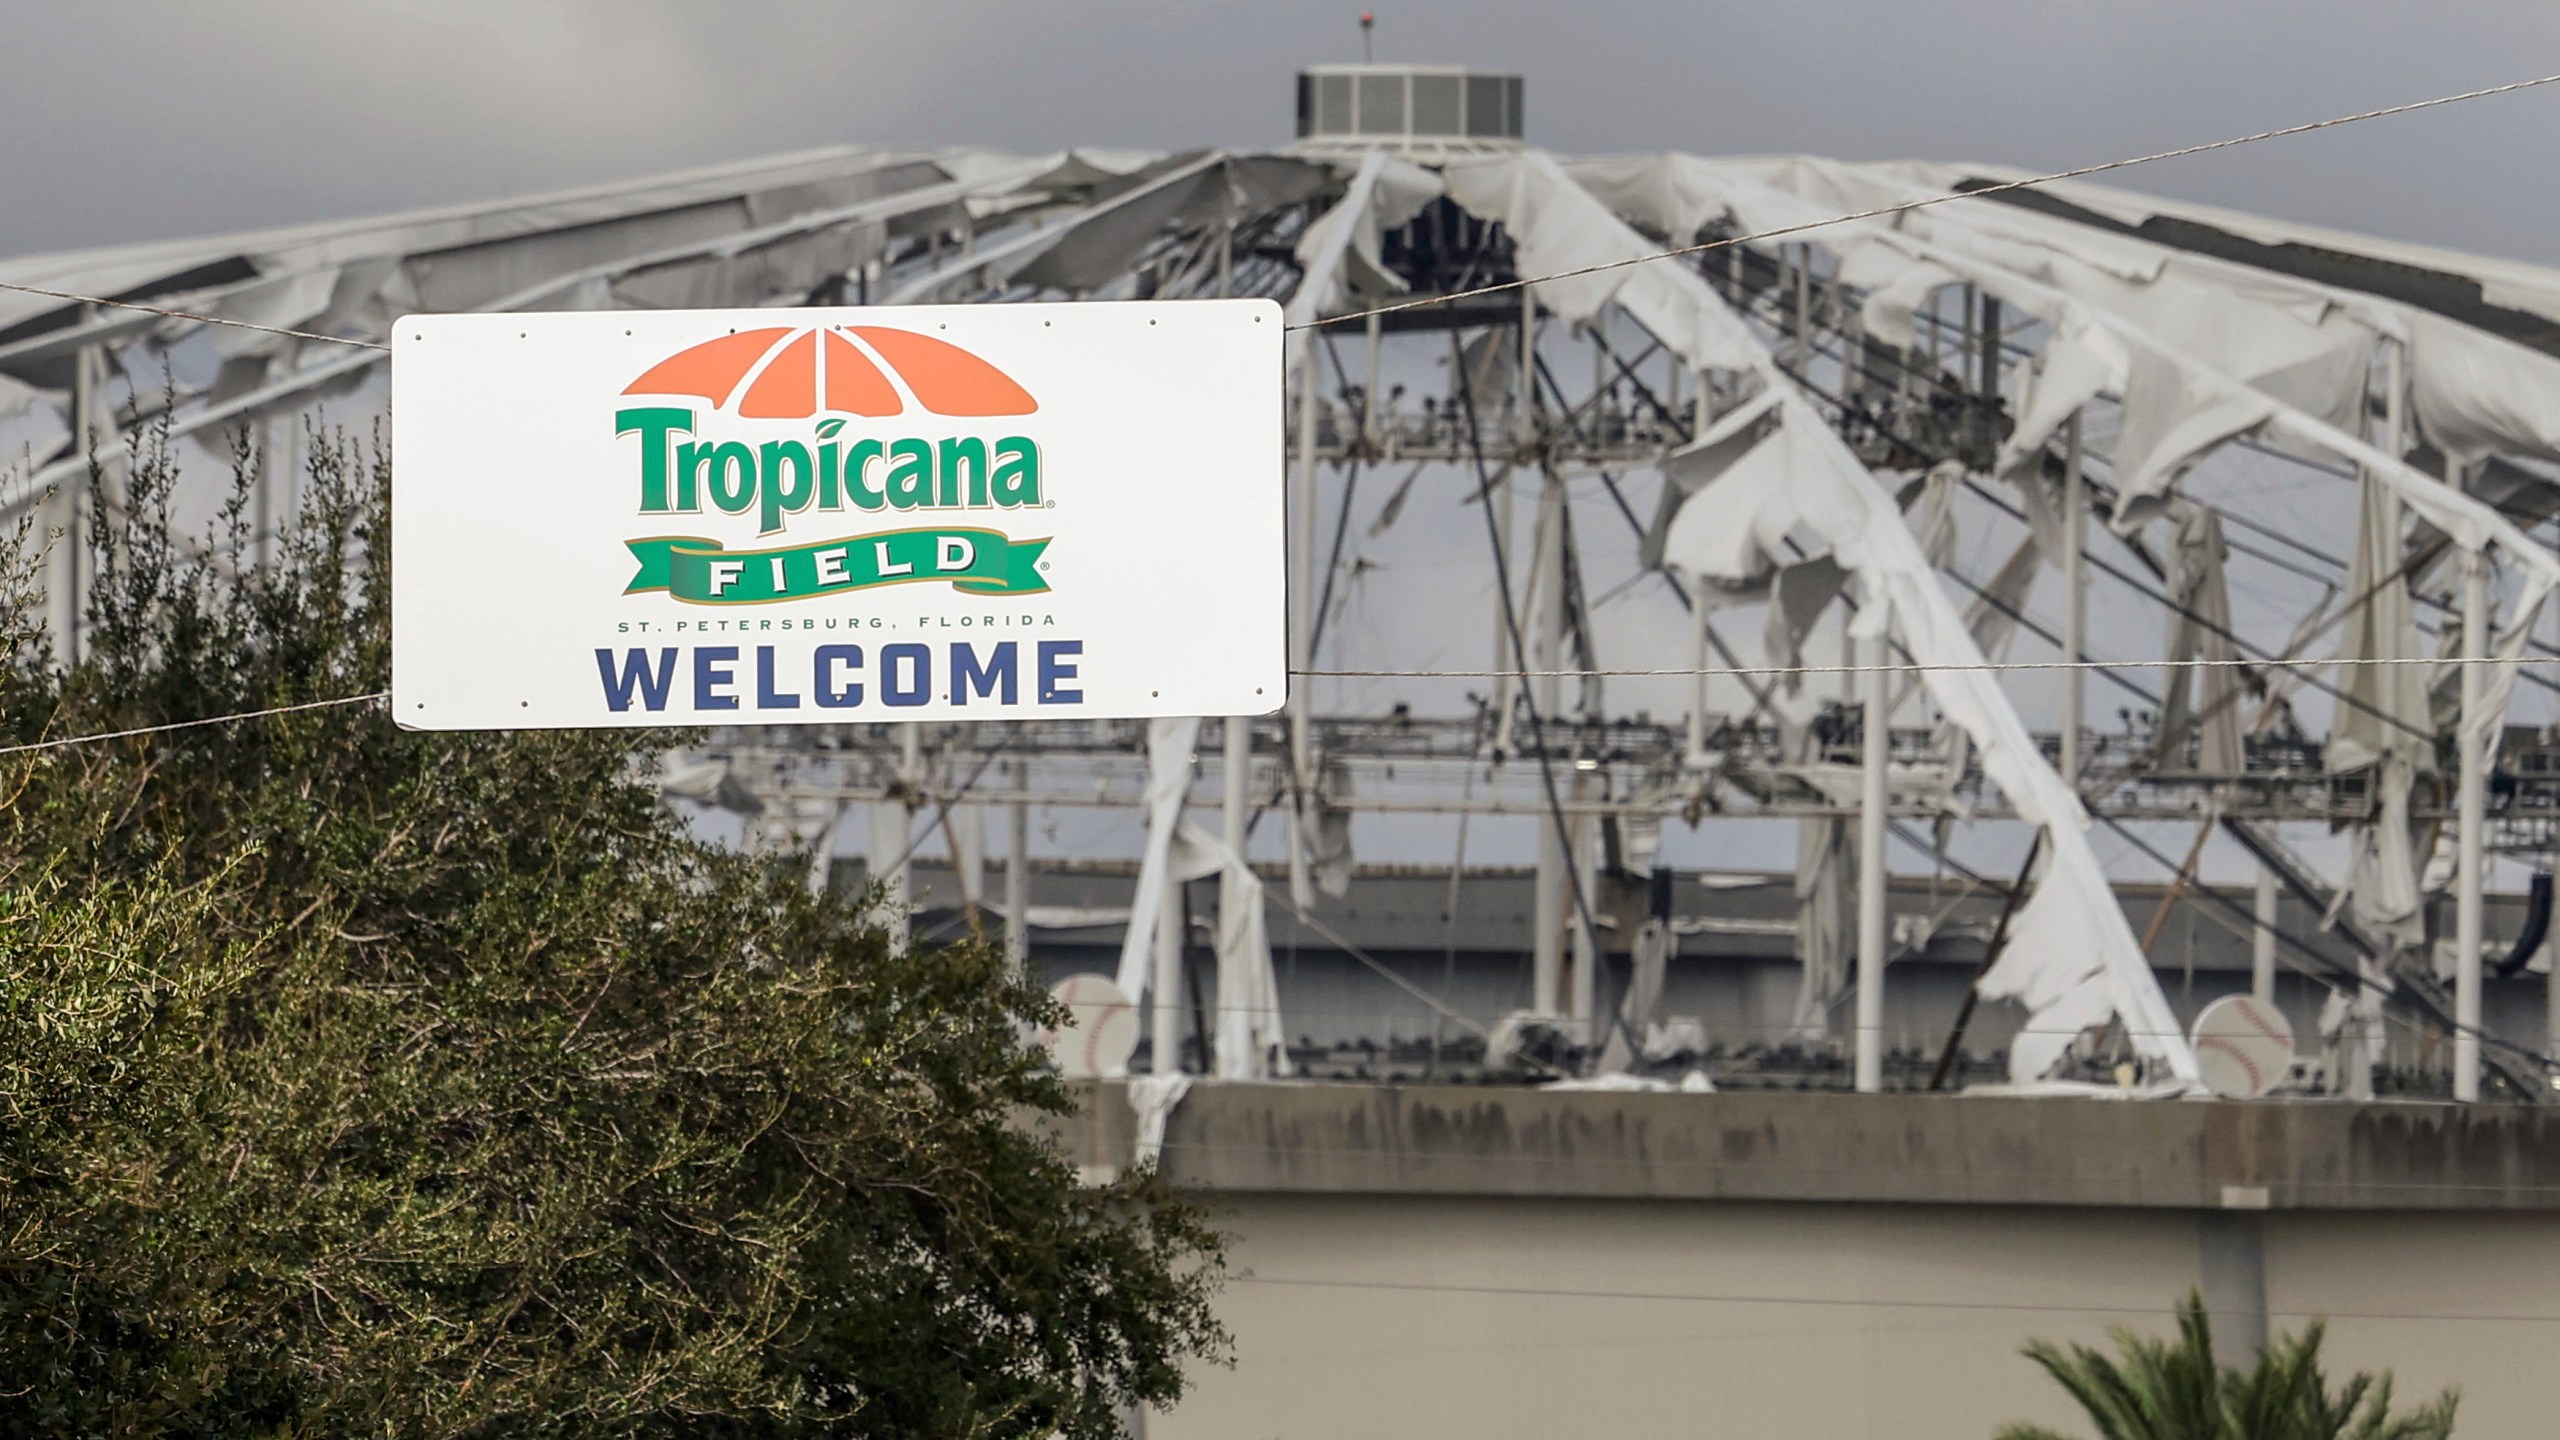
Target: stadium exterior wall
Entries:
(1466, 1261)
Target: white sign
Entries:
(768, 517)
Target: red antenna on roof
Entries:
(1368, 22)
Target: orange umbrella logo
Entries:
(797, 373)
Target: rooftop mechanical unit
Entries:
(1447, 109)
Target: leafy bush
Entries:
(361, 1082)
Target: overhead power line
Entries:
(67, 741)
(1828, 1302)
(1655, 672)
(1658, 672)
(1915, 667)
(136, 305)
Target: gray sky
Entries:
(139, 119)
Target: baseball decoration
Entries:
(1100, 1032)
(2243, 1046)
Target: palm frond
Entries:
(2161, 1389)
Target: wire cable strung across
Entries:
(1832, 1302)
(67, 741)
(135, 305)
(1905, 206)
(1918, 668)
(1654, 672)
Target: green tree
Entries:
(2154, 1389)
(362, 1082)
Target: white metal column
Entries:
(1369, 434)
(890, 828)
(1017, 874)
(898, 894)
(2551, 983)
(279, 478)
(1803, 282)
(1877, 728)
(1236, 777)
(1166, 1031)
(2365, 1027)
(1585, 991)
(2262, 939)
(2471, 820)
(2075, 598)
(1302, 611)
(65, 510)
(1694, 748)
(1238, 733)
(1506, 647)
(1545, 646)
(966, 834)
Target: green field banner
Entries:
(972, 561)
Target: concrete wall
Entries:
(1477, 1318)
(1488, 1262)
(2193, 1155)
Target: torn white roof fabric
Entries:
(2173, 330)
(2072, 959)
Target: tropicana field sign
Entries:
(983, 512)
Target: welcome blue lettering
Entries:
(915, 686)
(636, 676)
(709, 675)
(1055, 672)
(768, 698)
(967, 675)
(830, 695)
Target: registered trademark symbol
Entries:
(1048, 504)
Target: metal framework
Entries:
(1545, 438)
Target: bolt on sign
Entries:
(775, 517)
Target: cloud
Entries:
(130, 119)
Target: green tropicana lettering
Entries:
(782, 478)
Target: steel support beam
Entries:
(1302, 606)
(1585, 990)
(1545, 656)
(1236, 778)
(2262, 938)
(2471, 743)
(890, 829)
(1017, 876)
(66, 505)
(1165, 1012)
(1876, 730)
(2075, 598)
(2551, 988)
